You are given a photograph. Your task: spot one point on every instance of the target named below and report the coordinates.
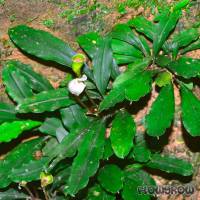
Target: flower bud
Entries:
(77, 85)
(77, 62)
(46, 179)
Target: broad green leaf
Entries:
(29, 171)
(163, 78)
(7, 112)
(17, 157)
(183, 39)
(131, 72)
(141, 151)
(193, 46)
(181, 4)
(12, 194)
(114, 70)
(140, 86)
(73, 116)
(61, 177)
(108, 151)
(102, 63)
(170, 164)
(50, 125)
(134, 179)
(123, 59)
(67, 147)
(46, 101)
(142, 25)
(97, 193)
(11, 130)
(53, 126)
(122, 134)
(89, 42)
(166, 24)
(111, 178)
(124, 33)
(161, 113)
(185, 67)
(163, 61)
(41, 44)
(16, 85)
(131, 85)
(190, 106)
(86, 162)
(61, 133)
(124, 48)
(36, 81)
(115, 96)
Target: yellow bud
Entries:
(78, 61)
(46, 179)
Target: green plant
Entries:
(81, 131)
(49, 23)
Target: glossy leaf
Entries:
(193, 46)
(97, 193)
(68, 146)
(124, 48)
(73, 116)
(166, 24)
(86, 162)
(11, 130)
(183, 39)
(46, 101)
(142, 25)
(111, 178)
(124, 59)
(163, 78)
(115, 96)
(36, 81)
(156, 121)
(53, 126)
(29, 171)
(108, 151)
(20, 155)
(61, 133)
(16, 85)
(7, 112)
(50, 125)
(102, 63)
(190, 106)
(12, 194)
(89, 42)
(141, 151)
(185, 67)
(41, 44)
(134, 179)
(124, 33)
(122, 134)
(170, 164)
(131, 85)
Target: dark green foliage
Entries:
(87, 146)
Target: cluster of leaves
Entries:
(84, 147)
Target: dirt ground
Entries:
(49, 15)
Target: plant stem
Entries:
(90, 99)
(29, 192)
(45, 194)
(82, 104)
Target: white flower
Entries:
(77, 86)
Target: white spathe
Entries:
(77, 85)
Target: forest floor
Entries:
(67, 19)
